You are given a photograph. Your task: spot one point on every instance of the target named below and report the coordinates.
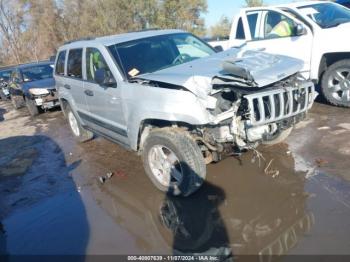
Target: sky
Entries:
(217, 8)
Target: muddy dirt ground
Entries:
(294, 201)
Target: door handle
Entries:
(67, 86)
(89, 92)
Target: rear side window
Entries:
(240, 30)
(74, 67)
(60, 63)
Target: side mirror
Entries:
(300, 30)
(218, 48)
(103, 79)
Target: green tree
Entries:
(11, 24)
(222, 28)
(41, 35)
(253, 3)
(182, 14)
(34, 29)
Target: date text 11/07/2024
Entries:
(173, 258)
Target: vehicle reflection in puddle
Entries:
(239, 210)
(288, 239)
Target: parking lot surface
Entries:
(293, 198)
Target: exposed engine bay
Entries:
(246, 117)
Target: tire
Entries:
(32, 107)
(181, 153)
(80, 133)
(335, 84)
(278, 138)
(2, 95)
(17, 101)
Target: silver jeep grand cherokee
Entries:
(181, 105)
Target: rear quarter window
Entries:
(59, 69)
(74, 66)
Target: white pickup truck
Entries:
(315, 32)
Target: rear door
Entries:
(74, 81)
(104, 103)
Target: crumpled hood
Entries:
(48, 83)
(196, 76)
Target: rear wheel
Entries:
(80, 133)
(173, 162)
(335, 85)
(32, 107)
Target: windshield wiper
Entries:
(336, 24)
(333, 25)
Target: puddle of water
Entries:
(40, 210)
(239, 210)
(330, 205)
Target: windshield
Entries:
(151, 54)
(327, 15)
(5, 75)
(37, 72)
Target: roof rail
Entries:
(80, 39)
(26, 63)
(144, 30)
(6, 67)
(34, 62)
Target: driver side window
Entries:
(94, 61)
(15, 77)
(277, 25)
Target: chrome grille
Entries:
(274, 105)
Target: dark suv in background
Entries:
(5, 74)
(33, 85)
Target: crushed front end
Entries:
(244, 118)
(279, 107)
(250, 97)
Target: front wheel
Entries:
(173, 162)
(32, 107)
(335, 85)
(17, 101)
(277, 138)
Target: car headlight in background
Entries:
(38, 91)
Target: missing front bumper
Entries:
(277, 105)
(47, 102)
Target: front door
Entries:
(277, 34)
(105, 105)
